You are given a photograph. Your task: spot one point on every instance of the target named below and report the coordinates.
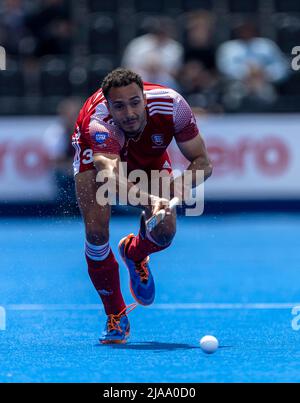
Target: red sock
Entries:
(140, 247)
(105, 277)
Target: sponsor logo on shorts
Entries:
(101, 137)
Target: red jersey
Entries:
(168, 116)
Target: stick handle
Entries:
(174, 202)
(157, 218)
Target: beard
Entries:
(135, 133)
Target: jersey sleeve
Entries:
(105, 138)
(184, 120)
(78, 124)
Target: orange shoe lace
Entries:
(142, 269)
(114, 319)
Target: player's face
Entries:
(127, 107)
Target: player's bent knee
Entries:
(96, 227)
(167, 230)
(164, 235)
(164, 239)
(168, 236)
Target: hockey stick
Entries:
(152, 222)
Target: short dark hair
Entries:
(120, 78)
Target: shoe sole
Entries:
(130, 287)
(112, 341)
(115, 341)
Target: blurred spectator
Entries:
(253, 94)
(51, 28)
(244, 74)
(61, 152)
(201, 87)
(58, 39)
(31, 75)
(198, 78)
(156, 56)
(237, 58)
(12, 25)
(254, 66)
(199, 39)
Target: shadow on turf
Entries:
(152, 345)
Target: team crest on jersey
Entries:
(158, 139)
(101, 137)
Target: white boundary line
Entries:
(163, 307)
(2, 318)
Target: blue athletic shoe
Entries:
(117, 327)
(141, 284)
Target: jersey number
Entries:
(88, 156)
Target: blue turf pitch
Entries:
(208, 282)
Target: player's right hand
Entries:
(158, 203)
